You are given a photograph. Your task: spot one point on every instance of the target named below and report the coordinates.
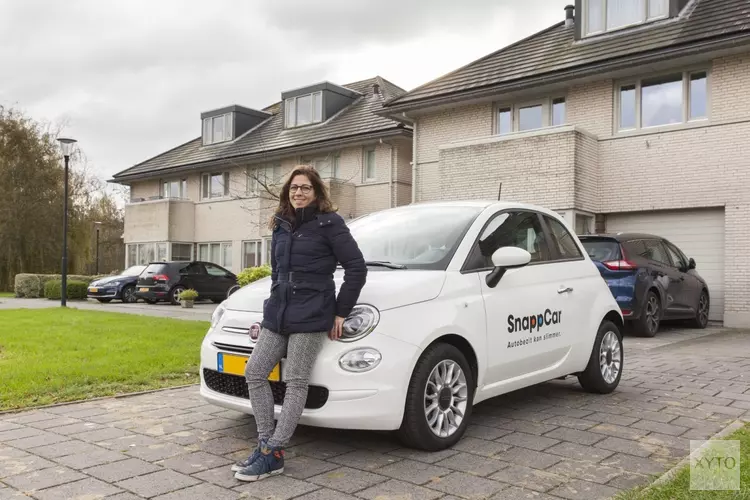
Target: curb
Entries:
(100, 398)
(729, 429)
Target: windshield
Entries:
(133, 271)
(602, 250)
(418, 237)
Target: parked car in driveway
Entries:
(118, 287)
(164, 281)
(651, 279)
(464, 301)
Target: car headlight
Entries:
(360, 360)
(217, 314)
(361, 322)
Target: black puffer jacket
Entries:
(304, 256)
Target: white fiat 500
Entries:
(464, 301)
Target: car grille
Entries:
(233, 348)
(235, 385)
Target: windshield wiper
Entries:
(382, 263)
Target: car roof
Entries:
(622, 236)
(481, 203)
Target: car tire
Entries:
(232, 289)
(649, 321)
(703, 309)
(128, 295)
(604, 370)
(104, 301)
(174, 293)
(416, 431)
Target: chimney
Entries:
(375, 89)
(569, 17)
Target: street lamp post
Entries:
(98, 225)
(66, 145)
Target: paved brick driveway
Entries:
(550, 441)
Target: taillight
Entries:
(620, 265)
(161, 277)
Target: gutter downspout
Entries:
(390, 174)
(413, 161)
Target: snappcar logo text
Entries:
(534, 322)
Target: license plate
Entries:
(93, 290)
(143, 290)
(234, 364)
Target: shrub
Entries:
(76, 289)
(189, 294)
(33, 286)
(250, 274)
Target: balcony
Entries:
(160, 219)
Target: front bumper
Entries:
(104, 292)
(339, 399)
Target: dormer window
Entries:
(217, 128)
(600, 16)
(304, 109)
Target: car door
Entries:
(670, 278)
(527, 323)
(194, 276)
(691, 286)
(219, 280)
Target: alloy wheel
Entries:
(128, 295)
(445, 398)
(610, 357)
(703, 309)
(652, 314)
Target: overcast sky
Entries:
(130, 78)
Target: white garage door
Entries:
(698, 233)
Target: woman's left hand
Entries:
(337, 330)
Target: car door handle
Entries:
(564, 289)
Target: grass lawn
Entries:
(7, 295)
(679, 486)
(57, 355)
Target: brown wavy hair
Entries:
(322, 198)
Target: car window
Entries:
(516, 229)
(601, 250)
(215, 270)
(194, 268)
(655, 251)
(562, 240)
(677, 258)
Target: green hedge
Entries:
(32, 286)
(75, 290)
(250, 274)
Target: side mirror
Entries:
(506, 258)
(691, 263)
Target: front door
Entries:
(528, 322)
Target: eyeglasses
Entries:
(305, 188)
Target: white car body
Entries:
(418, 308)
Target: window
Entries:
(215, 270)
(370, 171)
(304, 109)
(678, 259)
(267, 242)
(217, 129)
(327, 166)
(218, 253)
(182, 251)
(251, 254)
(530, 116)
(176, 188)
(516, 229)
(215, 185)
(608, 15)
(139, 254)
(664, 100)
(562, 240)
(648, 249)
(584, 224)
(262, 177)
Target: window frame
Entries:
(258, 253)
(365, 165)
(685, 104)
(645, 20)
(252, 187)
(182, 188)
(208, 129)
(573, 237)
(291, 118)
(158, 248)
(222, 246)
(547, 104)
(206, 177)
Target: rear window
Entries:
(602, 250)
(156, 269)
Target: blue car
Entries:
(651, 279)
(118, 287)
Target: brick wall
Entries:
(587, 175)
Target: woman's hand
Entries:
(337, 330)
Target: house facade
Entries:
(627, 115)
(211, 198)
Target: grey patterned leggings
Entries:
(301, 351)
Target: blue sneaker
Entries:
(249, 460)
(269, 463)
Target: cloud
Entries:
(131, 78)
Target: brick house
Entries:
(211, 197)
(626, 115)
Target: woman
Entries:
(309, 239)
